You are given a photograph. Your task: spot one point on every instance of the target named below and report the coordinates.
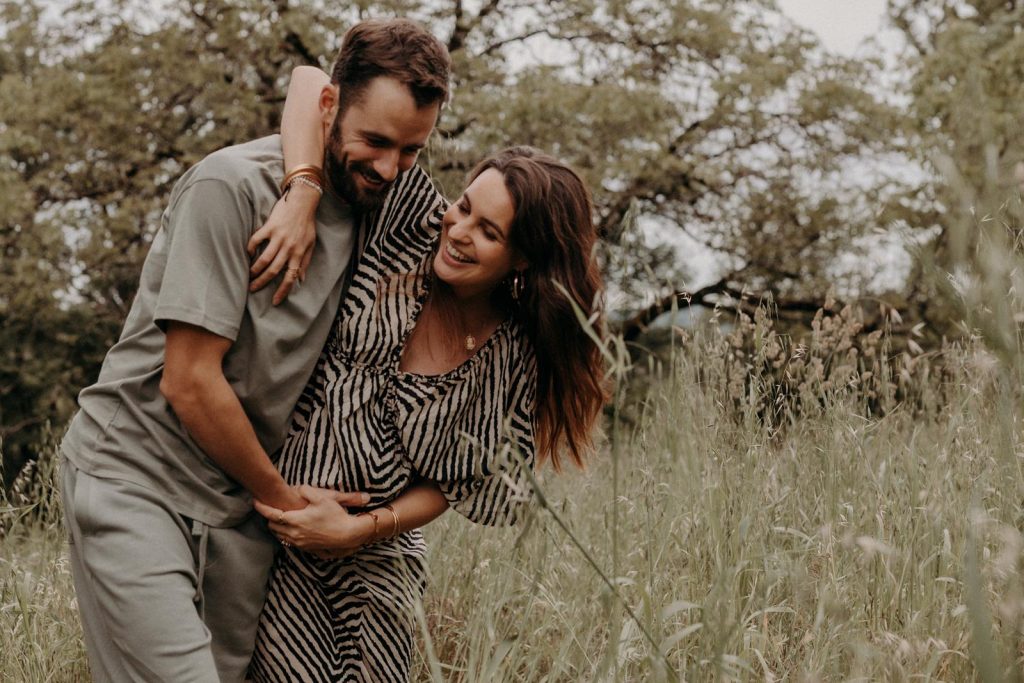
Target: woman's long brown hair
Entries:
(553, 230)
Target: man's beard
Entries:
(340, 175)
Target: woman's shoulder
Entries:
(520, 344)
(413, 206)
(399, 235)
(509, 359)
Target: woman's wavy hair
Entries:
(553, 230)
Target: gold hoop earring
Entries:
(516, 286)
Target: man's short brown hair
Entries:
(395, 48)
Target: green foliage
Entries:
(94, 134)
(966, 62)
(707, 118)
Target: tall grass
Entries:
(844, 543)
(835, 549)
(40, 634)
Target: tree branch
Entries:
(460, 33)
(708, 296)
(8, 430)
(494, 47)
(456, 131)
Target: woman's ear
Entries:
(519, 262)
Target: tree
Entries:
(714, 119)
(93, 135)
(966, 80)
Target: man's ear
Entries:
(328, 103)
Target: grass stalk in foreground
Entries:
(835, 549)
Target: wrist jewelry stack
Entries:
(376, 523)
(307, 174)
(395, 530)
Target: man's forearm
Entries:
(211, 412)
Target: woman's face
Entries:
(474, 254)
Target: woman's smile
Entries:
(454, 254)
(475, 254)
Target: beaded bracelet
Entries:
(315, 172)
(304, 180)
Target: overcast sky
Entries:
(840, 24)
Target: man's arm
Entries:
(329, 530)
(194, 384)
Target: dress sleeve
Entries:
(405, 226)
(499, 490)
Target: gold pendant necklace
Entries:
(470, 342)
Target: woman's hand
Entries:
(290, 235)
(324, 527)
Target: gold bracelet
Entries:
(394, 512)
(376, 524)
(308, 175)
(306, 169)
(315, 171)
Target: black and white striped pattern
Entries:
(364, 425)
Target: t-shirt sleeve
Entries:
(499, 491)
(206, 277)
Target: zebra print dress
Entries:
(362, 424)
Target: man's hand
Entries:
(324, 527)
(286, 499)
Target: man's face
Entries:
(377, 138)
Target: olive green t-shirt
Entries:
(197, 272)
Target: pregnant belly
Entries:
(360, 453)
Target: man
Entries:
(172, 442)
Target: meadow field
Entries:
(789, 489)
(842, 537)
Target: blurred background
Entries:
(801, 155)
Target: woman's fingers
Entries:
(291, 276)
(288, 535)
(347, 498)
(350, 498)
(267, 256)
(288, 238)
(323, 525)
(260, 236)
(271, 271)
(314, 494)
(306, 258)
(271, 513)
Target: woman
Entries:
(456, 361)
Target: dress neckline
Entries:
(424, 284)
